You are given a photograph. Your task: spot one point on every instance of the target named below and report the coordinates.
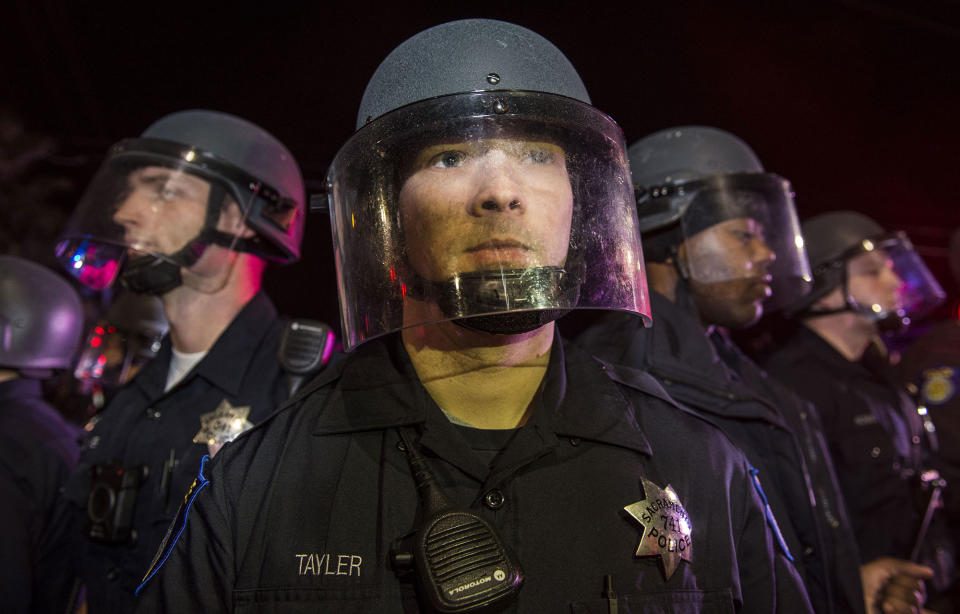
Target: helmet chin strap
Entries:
(157, 275)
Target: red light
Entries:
(102, 359)
(393, 274)
(95, 342)
(98, 330)
(111, 329)
(403, 289)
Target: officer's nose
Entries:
(133, 211)
(763, 256)
(498, 187)
(892, 281)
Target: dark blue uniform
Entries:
(872, 437)
(37, 449)
(299, 514)
(145, 426)
(779, 434)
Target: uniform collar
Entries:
(379, 389)
(679, 345)
(226, 363)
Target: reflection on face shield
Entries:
(873, 284)
(496, 206)
(734, 249)
(162, 209)
(731, 281)
(487, 205)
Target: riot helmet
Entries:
(481, 187)
(41, 318)
(120, 343)
(192, 179)
(705, 189)
(880, 275)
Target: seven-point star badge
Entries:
(666, 526)
(223, 424)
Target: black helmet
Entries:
(834, 238)
(41, 318)
(473, 96)
(232, 156)
(691, 178)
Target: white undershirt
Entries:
(181, 364)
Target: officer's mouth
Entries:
(761, 288)
(499, 245)
(501, 252)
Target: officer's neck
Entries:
(848, 333)
(485, 380)
(197, 318)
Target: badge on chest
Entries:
(222, 425)
(666, 527)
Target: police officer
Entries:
(464, 456)
(720, 243)
(41, 320)
(190, 212)
(930, 371)
(865, 281)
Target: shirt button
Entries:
(112, 574)
(915, 439)
(875, 452)
(494, 499)
(574, 441)
(153, 414)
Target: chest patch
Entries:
(666, 527)
(939, 385)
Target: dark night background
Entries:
(854, 101)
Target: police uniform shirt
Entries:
(778, 432)
(298, 515)
(145, 426)
(37, 449)
(869, 435)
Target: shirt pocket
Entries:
(717, 601)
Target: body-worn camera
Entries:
(113, 495)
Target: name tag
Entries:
(327, 564)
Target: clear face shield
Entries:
(742, 230)
(152, 210)
(480, 205)
(887, 281)
(112, 356)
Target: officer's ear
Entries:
(830, 301)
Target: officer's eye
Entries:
(743, 236)
(448, 159)
(540, 156)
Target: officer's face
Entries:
(729, 271)
(873, 283)
(162, 209)
(486, 205)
